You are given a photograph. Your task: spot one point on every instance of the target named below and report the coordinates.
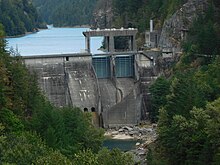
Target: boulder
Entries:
(134, 133)
(138, 144)
(121, 130)
(146, 130)
(115, 133)
(128, 128)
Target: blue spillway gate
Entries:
(124, 66)
(102, 66)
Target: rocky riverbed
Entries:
(146, 134)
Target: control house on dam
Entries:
(107, 84)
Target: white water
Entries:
(53, 41)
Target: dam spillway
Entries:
(109, 87)
(71, 80)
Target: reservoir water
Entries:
(53, 41)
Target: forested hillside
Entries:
(66, 12)
(135, 13)
(186, 104)
(18, 17)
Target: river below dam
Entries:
(124, 145)
(53, 41)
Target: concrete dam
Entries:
(108, 85)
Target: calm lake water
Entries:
(53, 41)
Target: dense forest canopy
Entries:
(18, 17)
(186, 104)
(66, 12)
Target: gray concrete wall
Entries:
(127, 112)
(82, 84)
(113, 92)
(70, 80)
(66, 80)
(51, 79)
(108, 93)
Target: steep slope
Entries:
(66, 12)
(134, 13)
(103, 14)
(178, 24)
(189, 106)
(19, 17)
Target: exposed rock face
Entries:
(103, 14)
(147, 133)
(176, 27)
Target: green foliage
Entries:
(2, 138)
(208, 80)
(66, 12)
(184, 94)
(153, 158)
(188, 126)
(18, 17)
(27, 148)
(53, 158)
(2, 42)
(23, 148)
(10, 120)
(213, 125)
(191, 133)
(159, 90)
(18, 88)
(85, 157)
(103, 157)
(204, 39)
(67, 129)
(115, 156)
(195, 139)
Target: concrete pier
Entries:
(109, 34)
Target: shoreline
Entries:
(146, 132)
(108, 135)
(76, 26)
(26, 33)
(37, 30)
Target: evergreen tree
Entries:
(19, 17)
(66, 12)
(159, 90)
